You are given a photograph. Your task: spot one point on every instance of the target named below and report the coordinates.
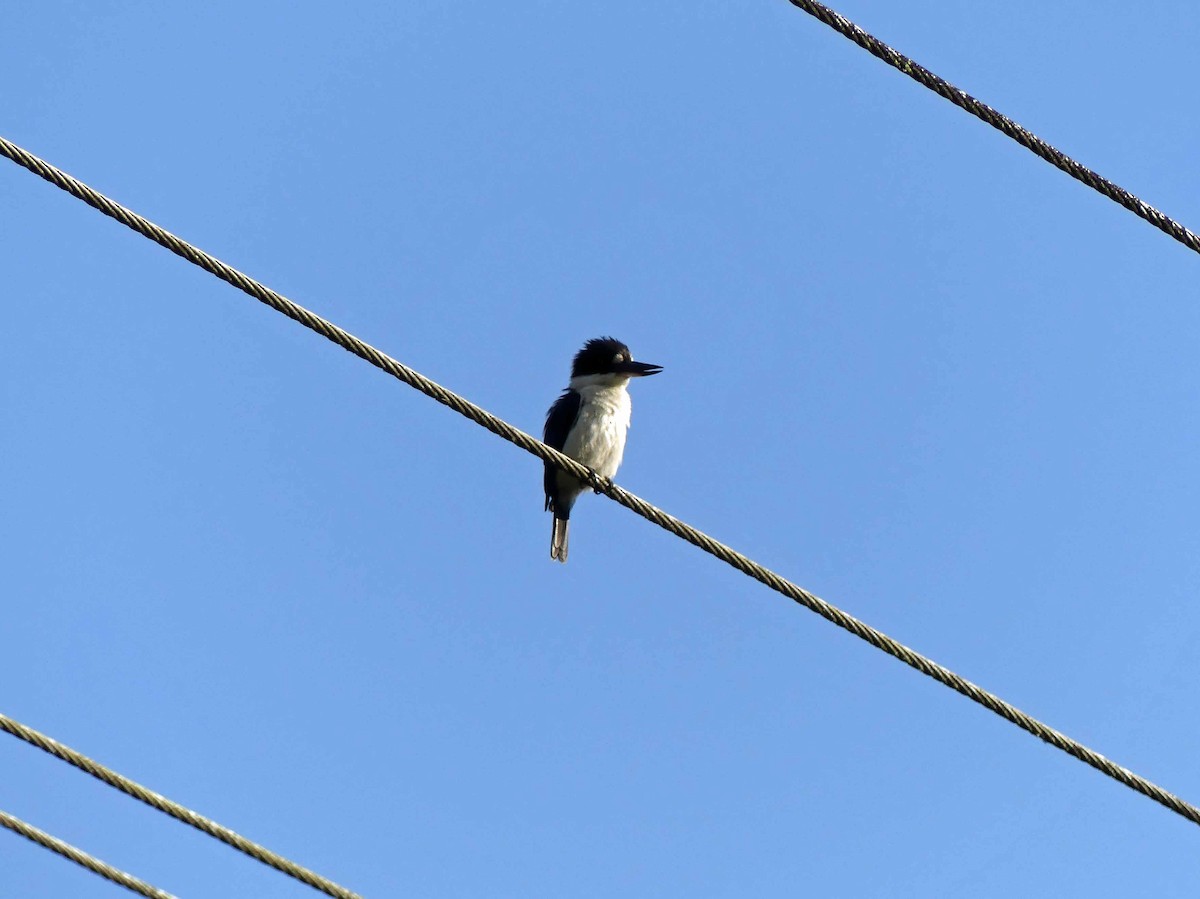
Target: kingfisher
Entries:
(589, 423)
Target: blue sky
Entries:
(908, 365)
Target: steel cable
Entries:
(601, 485)
(174, 809)
(93, 864)
(999, 121)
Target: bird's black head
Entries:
(608, 356)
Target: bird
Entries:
(589, 423)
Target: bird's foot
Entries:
(598, 483)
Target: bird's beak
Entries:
(639, 369)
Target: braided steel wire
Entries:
(93, 864)
(999, 121)
(726, 554)
(174, 809)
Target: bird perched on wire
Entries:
(588, 423)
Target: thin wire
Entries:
(600, 484)
(174, 809)
(1000, 122)
(80, 857)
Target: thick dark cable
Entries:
(1002, 123)
(174, 809)
(602, 485)
(93, 864)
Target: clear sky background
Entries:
(908, 365)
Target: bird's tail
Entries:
(558, 540)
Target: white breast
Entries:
(598, 438)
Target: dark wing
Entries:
(559, 421)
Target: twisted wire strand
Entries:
(603, 485)
(93, 864)
(999, 121)
(174, 809)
